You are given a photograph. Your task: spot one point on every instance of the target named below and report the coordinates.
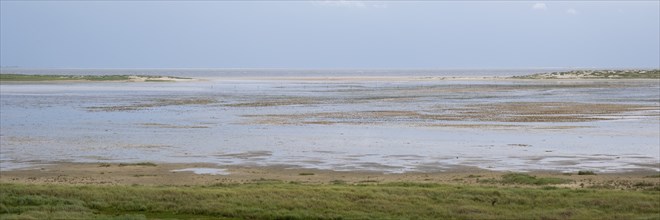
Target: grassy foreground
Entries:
(338, 201)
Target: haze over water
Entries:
(284, 72)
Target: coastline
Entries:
(322, 128)
(166, 174)
(115, 154)
(337, 79)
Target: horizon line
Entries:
(320, 68)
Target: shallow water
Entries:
(199, 170)
(283, 72)
(174, 122)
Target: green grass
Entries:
(335, 201)
(28, 77)
(586, 172)
(525, 179)
(517, 178)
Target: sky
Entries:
(330, 34)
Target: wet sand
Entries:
(166, 174)
(382, 125)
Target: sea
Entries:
(286, 72)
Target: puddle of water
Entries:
(211, 171)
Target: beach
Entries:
(357, 147)
(374, 124)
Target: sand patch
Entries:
(280, 101)
(153, 104)
(491, 112)
(163, 174)
(161, 125)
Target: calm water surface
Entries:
(136, 122)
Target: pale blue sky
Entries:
(335, 34)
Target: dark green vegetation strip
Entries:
(26, 77)
(586, 172)
(525, 179)
(300, 201)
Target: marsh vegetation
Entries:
(269, 200)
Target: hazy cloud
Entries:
(352, 4)
(572, 11)
(539, 6)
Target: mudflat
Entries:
(149, 174)
(363, 124)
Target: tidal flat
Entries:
(379, 124)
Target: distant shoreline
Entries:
(597, 74)
(566, 75)
(288, 72)
(75, 78)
